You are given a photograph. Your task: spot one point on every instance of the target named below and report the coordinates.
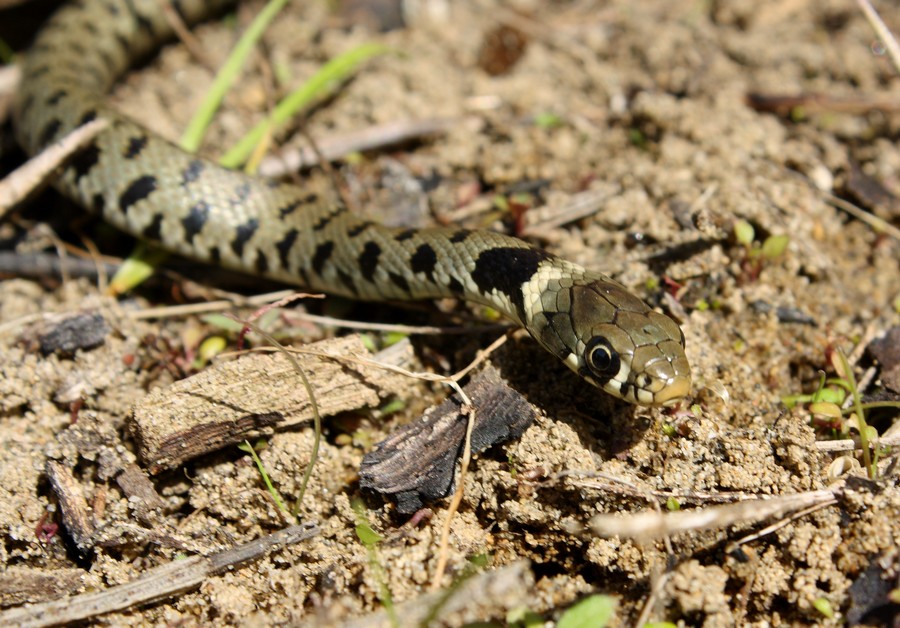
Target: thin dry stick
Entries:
(428, 377)
(97, 258)
(186, 37)
(444, 547)
(172, 311)
(394, 327)
(469, 410)
(872, 220)
(881, 29)
(578, 206)
(368, 139)
(778, 525)
(28, 177)
(655, 589)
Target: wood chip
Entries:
(19, 585)
(231, 401)
(417, 463)
(76, 514)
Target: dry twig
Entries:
(28, 178)
(156, 584)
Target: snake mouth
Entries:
(676, 389)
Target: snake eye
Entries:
(601, 358)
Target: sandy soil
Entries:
(644, 103)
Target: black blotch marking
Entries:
(135, 146)
(357, 229)
(323, 222)
(98, 203)
(137, 190)
(424, 260)
(215, 256)
(505, 269)
(368, 260)
(262, 263)
(194, 221)
(405, 235)
(323, 252)
(241, 193)
(284, 246)
(55, 97)
(455, 286)
(244, 233)
(193, 171)
(460, 236)
(88, 116)
(153, 231)
(290, 208)
(347, 280)
(49, 132)
(84, 161)
(399, 281)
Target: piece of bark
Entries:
(76, 513)
(19, 585)
(84, 331)
(231, 401)
(417, 463)
(141, 494)
(156, 584)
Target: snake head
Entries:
(614, 340)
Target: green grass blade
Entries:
(193, 135)
(140, 265)
(250, 449)
(332, 73)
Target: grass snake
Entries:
(148, 187)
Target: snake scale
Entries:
(146, 186)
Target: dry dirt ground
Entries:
(640, 105)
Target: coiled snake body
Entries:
(152, 189)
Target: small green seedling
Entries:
(757, 254)
(822, 605)
(826, 409)
(548, 121)
(252, 449)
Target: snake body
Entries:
(148, 187)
